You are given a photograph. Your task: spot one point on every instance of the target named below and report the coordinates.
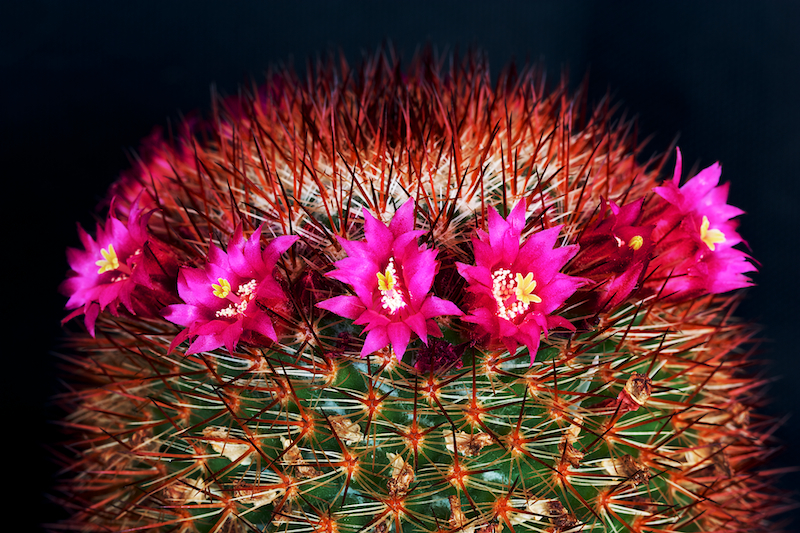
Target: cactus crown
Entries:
(412, 300)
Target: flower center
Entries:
(636, 242)
(710, 237)
(223, 289)
(239, 301)
(389, 286)
(513, 293)
(110, 261)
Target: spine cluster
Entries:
(412, 300)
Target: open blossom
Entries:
(695, 235)
(392, 277)
(227, 300)
(614, 253)
(517, 288)
(123, 264)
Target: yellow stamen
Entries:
(110, 261)
(636, 242)
(525, 287)
(710, 236)
(389, 287)
(223, 289)
(386, 281)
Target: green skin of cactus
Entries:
(539, 403)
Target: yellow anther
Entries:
(636, 242)
(525, 287)
(710, 236)
(386, 281)
(110, 261)
(223, 289)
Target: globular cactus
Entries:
(390, 299)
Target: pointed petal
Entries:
(204, 343)
(559, 322)
(533, 345)
(556, 292)
(403, 219)
(422, 271)
(516, 218)
(379, 238)
(218, 257)
(252, 250)
(237, 261)
(372, 319)
(179, 338)
(182, 314)
(399, 336)
(670, 193)
(435, 306)
(346, 306)
(676, 175)
(700, 185)
(276, 247)
(230, 335)
(376, 339)
(91, 311)
(262, 323)
(497, 228)
(418, 325)
(212, 327)
(237, 239)
(475, 274)
(433, 329)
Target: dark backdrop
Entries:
(82, 82)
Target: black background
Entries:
(82, 82)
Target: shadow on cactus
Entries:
(386, 299)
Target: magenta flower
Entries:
(517, 288)
(392, 278)
(695, 236)
(124, 265)
(228, 299)
(614, 253)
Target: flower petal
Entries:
(434, 306)
(403, 219)
(376, 339)
(418, 325)
(230, 335)
(497, 229)
(378, 236)
(261, 323)
(399, 336)
(345, 306)
(182, 314)
(205, 343)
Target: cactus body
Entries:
(629, 411)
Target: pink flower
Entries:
(614, 253)
(695, 236)
(123, 265)
(391, 277)
(517, 288)
(228, 299)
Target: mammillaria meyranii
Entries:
(355, 262)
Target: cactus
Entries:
(380, 299)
